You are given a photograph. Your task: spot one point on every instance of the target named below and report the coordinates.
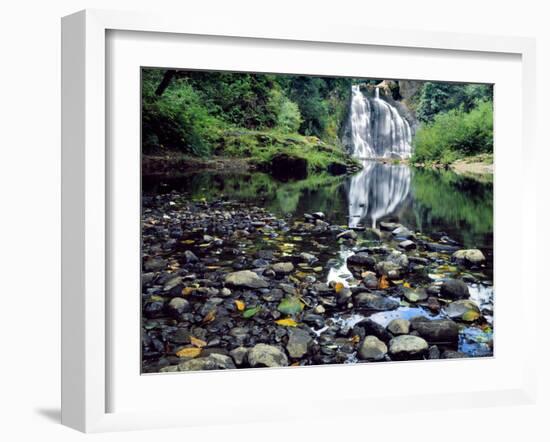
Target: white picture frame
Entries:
(87, 211)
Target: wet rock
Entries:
(399, 327)
(319, 309)
(362, 260)
(433, 352)
(436, 330)
(283, 267)
(154, 309)
(239, 355)
(374, 301)
(402, 232)
(407, 245)
(260, 262)
(433, 304)
(308, 257)
(314, 320)
(407, 346)
(263, 355)
(464, 310)
(370, 280)
(178, 306)
(298, 343)
(393, 266)
(343, 296)
(347, 234)
(318, 215)
(472, 257)
(213, 361)
(245, 278)
(415, 295)
(389, 226)
(372, 349)
(190, 257)
(172, 283)
(454, 289)
(154, 264)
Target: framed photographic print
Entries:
(285, 208)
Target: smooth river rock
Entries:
(263, 355)
(245, 278)
(213, 361)
(298, 342)
(436, 330)
(469, 256)
(406, 346)
(454, 289)
(399, 327)
(464, 310)
(374, 301)
(372, 349)
(283, 267)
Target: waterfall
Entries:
(377, 128)
(377, 191)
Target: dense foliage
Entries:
(435, 98)
(456, 134)
(193, 111)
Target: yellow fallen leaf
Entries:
(355, 339)
(210, 316)
(188, 352)
(187, 291)
(338, 287)
(383, 282)
(197, 342)
(240, 305)
(470, 315)
(188, 241)
(406, 285)
(287, 322)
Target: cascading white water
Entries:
(377, 128)
(378, 190)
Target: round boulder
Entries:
(263, 355)
(407, 346)
(372, 349)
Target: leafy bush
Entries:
(287, 112)
(455, 134)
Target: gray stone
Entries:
(298, 342)
(436, 330)
(178, 306)
(469, 256)
(415, 295)
(407, 346)
(308, 257)
(347, 234)
(190, 257)
(283, 267)
(245, 278)
(399, 327)
(402, 232)
(213, 361)
(372, 349)
(172, 283)
(389, 226)
(454, 289)
(464, 310)
(239, 355)
(263, 355)
(374, 301)
(370, 280)
(361, 259)
(407, 244)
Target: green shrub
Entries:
(455, 134)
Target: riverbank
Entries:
(283, 155)
(227, 285)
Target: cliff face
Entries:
(408, 88)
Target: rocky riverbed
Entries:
(229, 285)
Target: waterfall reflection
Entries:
(377, 191)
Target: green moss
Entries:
(262, 146)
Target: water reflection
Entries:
(377, 191)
